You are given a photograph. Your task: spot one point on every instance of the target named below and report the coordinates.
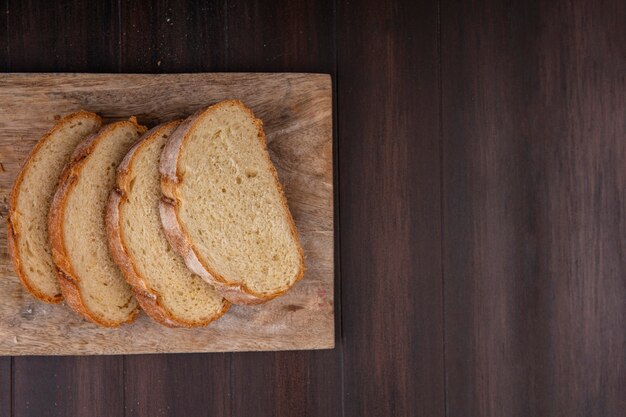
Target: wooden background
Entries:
(480, 205)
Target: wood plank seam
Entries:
(442, 219)
(12, 387)
(119, 40)
(8, 38)
(337, 211)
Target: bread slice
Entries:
(166, 290)
(225, 211)
(31, 197)
(90, 281)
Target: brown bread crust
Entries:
(148, 298)
(13, 232)
(68, 279)
(237, 293)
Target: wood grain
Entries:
(178, 385)
(305, 40)
(4, 38)
(183, 36)
(74, 36)
(5, 387)
(297, 116)
(390, 214)
(5, 363)
(535, 196)
(70, 386)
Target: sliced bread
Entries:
(224, 211)
(166, 290)
(30, 202)
(89, 278)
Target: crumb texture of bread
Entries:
(231, 206)
(31, 199)
(104, 294)
(171, 290)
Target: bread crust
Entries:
(148, 298)
(13, 232)
(237, 293)
(68, 279)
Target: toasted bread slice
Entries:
(89, 278)
(166, 290)
(30, 202)
(225, 211)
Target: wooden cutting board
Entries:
(297, 113)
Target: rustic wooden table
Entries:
(480, 205)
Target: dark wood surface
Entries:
(390, 209)
(481, 195)
(534, 185)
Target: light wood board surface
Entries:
(297, 113)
